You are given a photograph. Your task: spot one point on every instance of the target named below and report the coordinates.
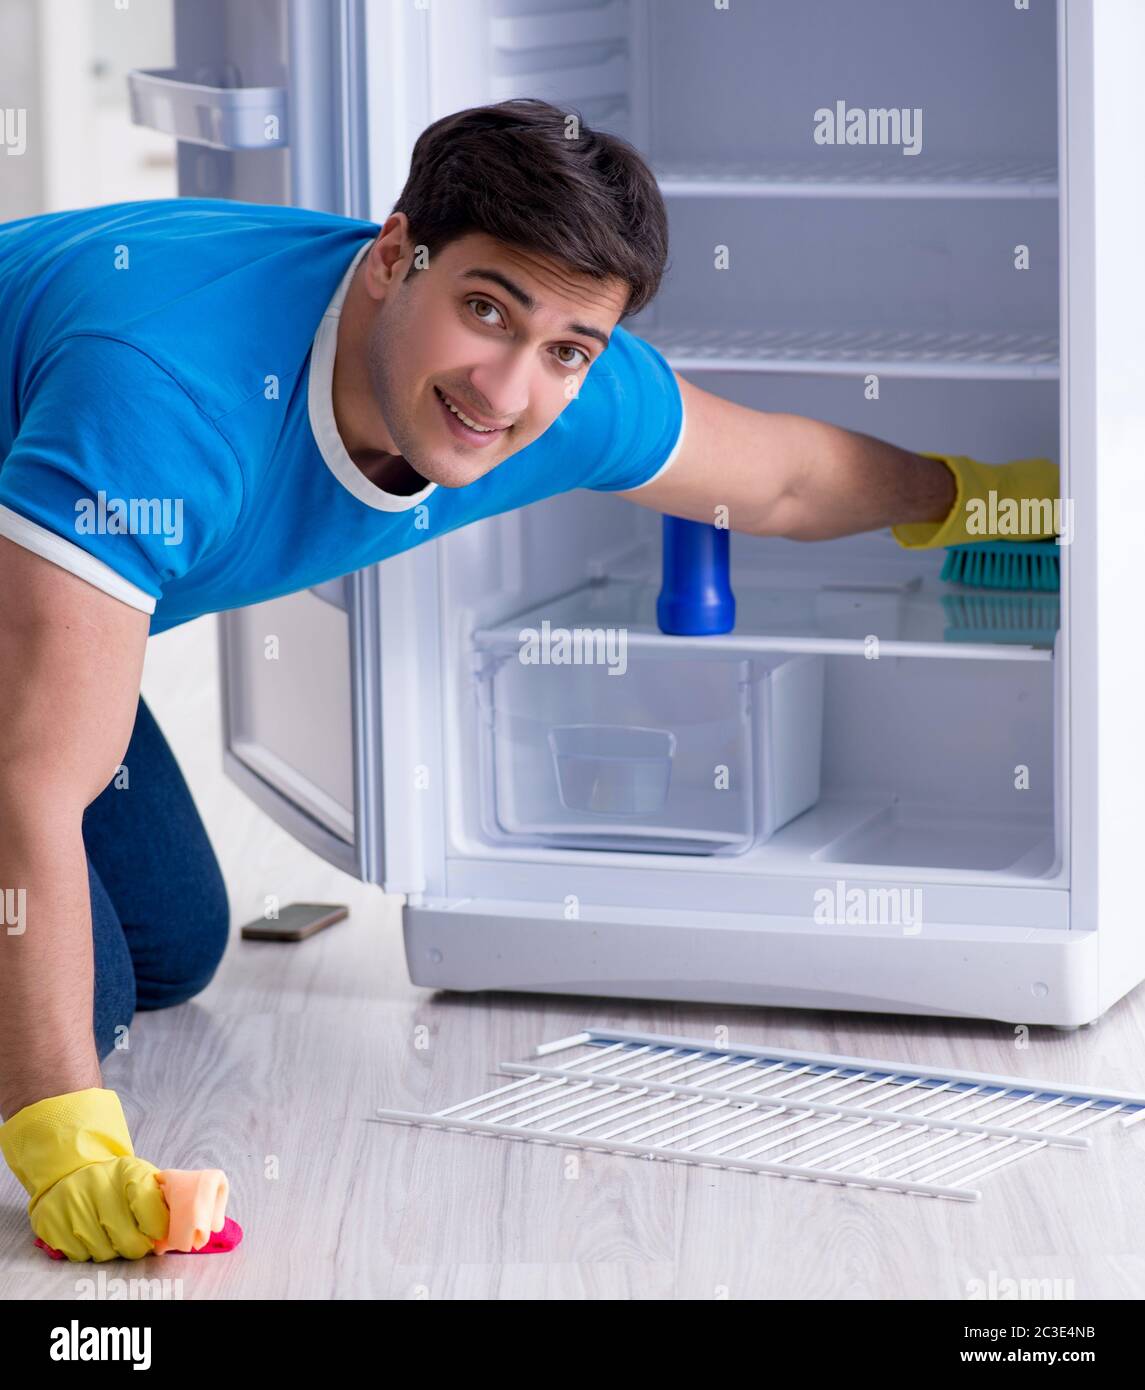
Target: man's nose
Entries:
(504, 386)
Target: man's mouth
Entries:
(462, 424)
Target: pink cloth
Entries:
(219, 1243)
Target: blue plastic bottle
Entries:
(696, 599)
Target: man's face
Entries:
(506, 336)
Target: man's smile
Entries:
(464, 425)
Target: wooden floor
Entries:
(273, 1074)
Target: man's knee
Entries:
(196, 949)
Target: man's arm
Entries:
(786, 475)
(71, 658)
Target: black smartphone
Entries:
(295, 922)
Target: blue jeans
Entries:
(159, 910)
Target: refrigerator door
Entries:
(266, 101)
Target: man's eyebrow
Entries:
(527, 301)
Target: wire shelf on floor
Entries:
(853, 1121)
(995, 354)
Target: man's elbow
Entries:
(786, 516)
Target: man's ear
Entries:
(389, 258)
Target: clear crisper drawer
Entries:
(681, 755)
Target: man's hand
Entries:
(91, 1197)
(786, 475)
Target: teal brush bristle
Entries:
(1004, 565)
(1030, 619)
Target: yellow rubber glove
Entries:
(91, 1198)
(1036, 479)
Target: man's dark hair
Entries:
(512, 171)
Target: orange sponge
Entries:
(198, 1204)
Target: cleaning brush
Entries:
(1004, 565)
(1029, 619)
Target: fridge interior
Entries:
(863, 717)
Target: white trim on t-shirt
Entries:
(320, 397)
(69, 556)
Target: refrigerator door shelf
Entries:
(661, 754)
(335, 592)
(222, 117)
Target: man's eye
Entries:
(568, 347)
(489, 305)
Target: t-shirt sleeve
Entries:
(115, 473)
(633, 415)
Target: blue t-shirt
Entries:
(166, 427)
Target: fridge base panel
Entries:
(1011, 975)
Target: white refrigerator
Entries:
(964, 278)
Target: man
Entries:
(209, 404)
